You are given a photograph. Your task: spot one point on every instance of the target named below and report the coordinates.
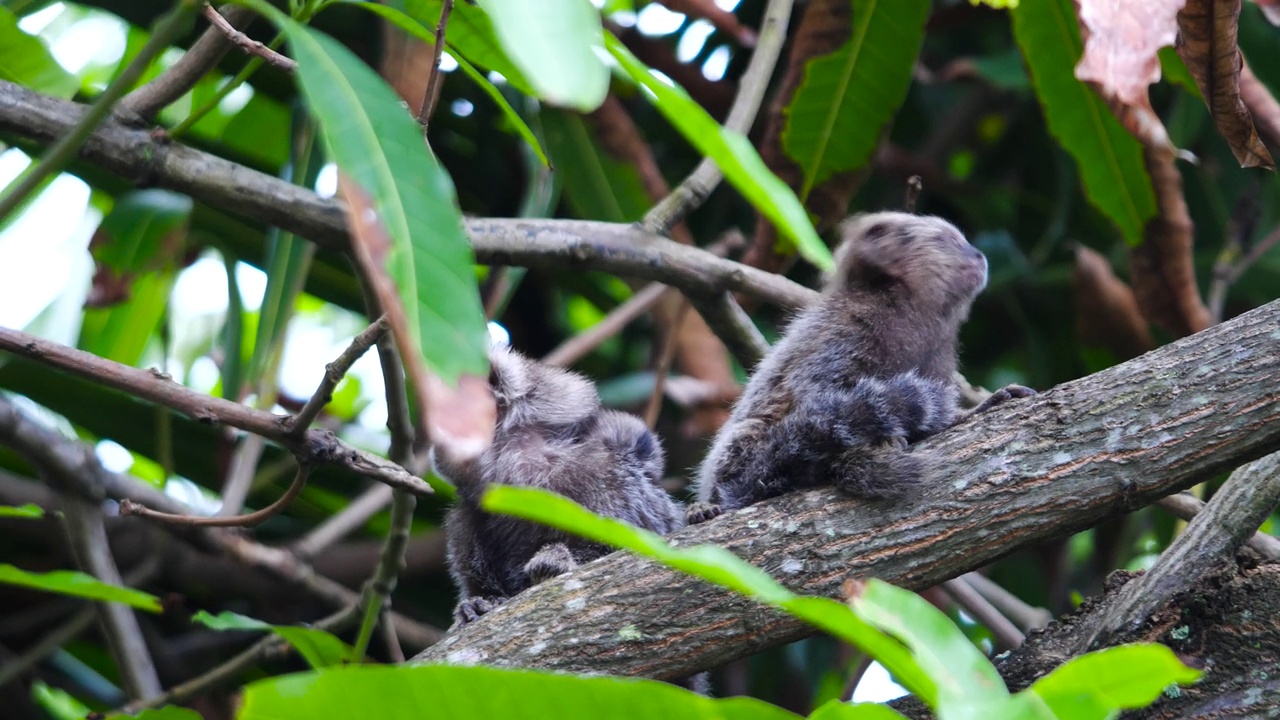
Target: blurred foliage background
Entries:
(193, 283)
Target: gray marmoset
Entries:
(857, 376)
(551, 433)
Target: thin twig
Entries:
(87, 533)
(1005, 633)
(751, 89)
(733, 326)
(1230, 517)
(855, 676)
(1186, 506)
(167, 29)
(246, 43)
(129, 507)
(433, 85)
(240, 472)
(640, 302)
(315, 446)
(914, 186)
(663, 367)
(1231, 264)
(343, 523)
(333, 374)
(203, 55)
(1026, 617)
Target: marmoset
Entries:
(551, 433)
(859, 375)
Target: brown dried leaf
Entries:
(459, 420)
(1122, 39)
(1107, 313)
(1161, 268)
(724, 20)
(1207, 31)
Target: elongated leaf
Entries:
(554, 43)
(483, 693)
(597, 186)
(714, 564)
(169, 712)
(78, 584)
(232, 335)
(961, 672)
(837, 116)
(375, 142)
(735, 155)
(320, 649)
(1109, 158)
(29, 511)
(24, 59)
(1097, 684)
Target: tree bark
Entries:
(1019, 474)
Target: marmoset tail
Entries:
(551, 433)
(859, 375)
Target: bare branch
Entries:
(1023, 615)
(246, 43)
(733, 326)
(433, 85)
(1006, 634)
(333, 374)
(751, 88)
(1186, 506)
(313, 446)
(129, 507)
(1016, 475)
(344, 522)
(183, 75)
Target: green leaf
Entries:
(714, 564)
(25, 60)
(30, 510)
(1097, 684)
(960, 670)
(232, 335)
(78, 584)
(735, 155)
(375, 142)
(597, 185)
(319, 648)
(1109, 158)
(837, 115)
(427, 34)
(121, 332)
(836, 710)
(554, 42)
(58, 703)
(414, 692)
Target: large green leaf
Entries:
(483, 693)
(24, 59)
(377, 144)
(29, 511)
(735, 155)
(1109, 158)
(1099, 683)
(320, 649)
(78, 584)
(168, 712)
(836, 710)
(838, 113)
(717, 565)
(554, 43)
(597, 185)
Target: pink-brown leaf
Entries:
(1123, 37)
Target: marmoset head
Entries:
(530, 393)
(923, 257)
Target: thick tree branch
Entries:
(615, 248)
(1021, 473)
